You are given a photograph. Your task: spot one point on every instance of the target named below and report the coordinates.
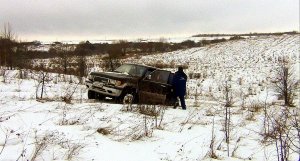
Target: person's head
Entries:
(180, 69)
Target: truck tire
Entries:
(91, 94)
(127, 94)
(128, 99)
(99, 96)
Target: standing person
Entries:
(179, 84)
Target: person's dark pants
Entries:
(182, 102)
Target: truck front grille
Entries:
(101, 79)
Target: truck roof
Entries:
(142, 65)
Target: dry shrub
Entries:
(40, 145)
(209, 112)
(73, 150)
(142, 128)
(104, 131)
(150, 110)
(67, 118)
(161, 64)
(192, 118)
(193, 75)
(255, 107)
(250, 116)
(155, 112)
(69, 92)
(70, 122)
(56, 138)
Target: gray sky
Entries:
(57, 20)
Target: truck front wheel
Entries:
(127, 97)
(91, 94)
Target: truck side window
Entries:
(170, 80)
(148, 72)
(160, 76)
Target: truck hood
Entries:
(114, 75)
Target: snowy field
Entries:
(55, 129)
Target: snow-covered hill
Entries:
(252, 62)
(51, 129)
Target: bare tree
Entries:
(64, 53)
(228, 103)
(7, 135)
(113, 59)
(213, 141)
(284, 132)
(4, 74)
(81, 67)
(285, 82)
(43, 77)
(278, 135)
(7, 46)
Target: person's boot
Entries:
(176, 104)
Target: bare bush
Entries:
(41, 144)
(143, 128)
(7, 47)
(161, 64)
(228, 104)
(68, 95)
(72, 150)
(153, 111)
(213, 141)
(280, 138)
(4, 74)
(250, 116)
(235, 147)
(284, 132)
(191, 118)
(285, 82)
(196, 102)
(193, 75)
(150, 110)
(227, 92)
(104, 131)
(43, 78)
(113, 61)
(255, 107)
(7, 135)
(44, 141)
(209, 112)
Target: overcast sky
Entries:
(122, 19)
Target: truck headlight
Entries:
(118, 83)
(115, 82)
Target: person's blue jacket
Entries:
(179, 83)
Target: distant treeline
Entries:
(247, 34)
(118, 49)
(72, 58)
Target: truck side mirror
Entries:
(148, 77)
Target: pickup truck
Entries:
(146, 84)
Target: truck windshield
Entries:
(133, 70)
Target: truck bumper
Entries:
(104, 90)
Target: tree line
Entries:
(247, 34)
(71, 58)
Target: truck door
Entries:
(154, 88)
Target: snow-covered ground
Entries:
(50, 129)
